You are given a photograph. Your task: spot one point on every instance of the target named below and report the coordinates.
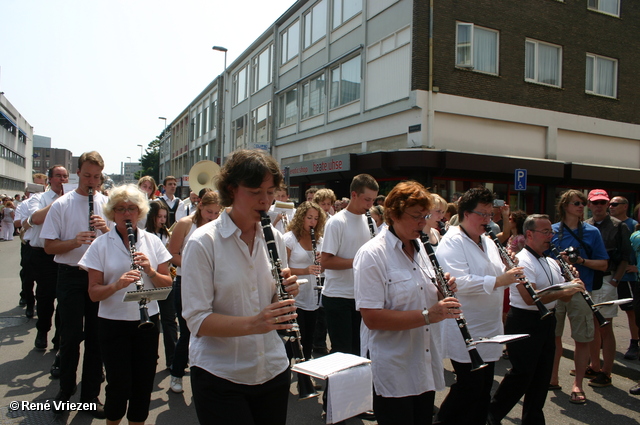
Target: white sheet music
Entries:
(324, 366)
(350, 394)
(502, 339)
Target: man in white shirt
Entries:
(474, 260)
(190, 205)
(531, 358)
(68, 230)
(344, 234)
(43, 264)
(174, 204)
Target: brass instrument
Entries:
(305, 386)
(544, 311)
(203, 175)
(443, 288)
(566, 270)
(145, 322)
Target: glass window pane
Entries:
(609, 6)
(529, 60)
(337, 13)
(350, 82)
(293, 45)
(548, 65)
(606, 76)
(485, 50)
(319, 26)
(351, 8)
(588, 86)
(335, 87)
(464, 45)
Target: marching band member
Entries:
(400, 308)
(239, 366)
(130, 354)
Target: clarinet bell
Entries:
(476, 360)
(145, 322)
(305, 387)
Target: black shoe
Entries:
(635, 390)
(41, 341)
(98, 411)
(22, 302)
(367, 416)
(29, 311)
(55, 368)
(632, 353)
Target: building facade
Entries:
(16, 149)
(452, 94)
(46, 157)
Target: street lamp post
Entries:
(221, 108)
(140, 155)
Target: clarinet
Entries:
(544, 311)
(145, 322)
(566, 270)
(91, 228)
(443, 288)
(305, 386)
(372, 229)
(315, 262)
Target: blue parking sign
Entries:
(520, 179)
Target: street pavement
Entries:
(24, 376)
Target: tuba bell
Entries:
(204, 174)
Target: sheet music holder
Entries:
(148, 294)
(351, 383)
(614, 302)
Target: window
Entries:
(543, 63)
(601, 75)
(261, 65)
(290, 42)
(36, 164)
(315, 23)
(313, 97)
(205, 120)
(343, 10)
(288, 106)
(198, 125)
(240, 85)
(261, 125)
(239, 128)
(477, 48)
(611, 7)
(213, 111)
(345, 83)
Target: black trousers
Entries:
(78, 322)
(343, 324)
(46, 275)
(532, 363)
(26, 275)
(169, 327)
(130, 358)
(468, 399)
(181, 354)
(222, 402)
(411, 410)
(320, 333)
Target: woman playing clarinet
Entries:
(129, 353)
(400, 306)
(239, 366)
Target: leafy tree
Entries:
(150, 161)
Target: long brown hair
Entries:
(209, 198)
(297, 223)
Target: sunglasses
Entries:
(599, 202)
(578, 203)
(615, 204)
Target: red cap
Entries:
(598, 195)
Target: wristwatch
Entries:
(425, 314)
(614, 280)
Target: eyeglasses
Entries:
(417, 218)
(599, 202)
(483, 215)
(578, 203)
(545, 232)
(122, 210)
(615, 204)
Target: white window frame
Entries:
(594, 72)
(338, 16)
(310, 24)
(239, 83)
(287, 40)
(471, 63)
(536, 78)
(258, 66)
(596, 5)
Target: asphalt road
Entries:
(24, 376)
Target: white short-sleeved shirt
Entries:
(109, 255)
(67, 217)
(42, 201)
(300, 258)
(344, 234)
(540, 271)
(219, 275)
(404, 363)
(475, 271)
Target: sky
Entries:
(97, 74)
